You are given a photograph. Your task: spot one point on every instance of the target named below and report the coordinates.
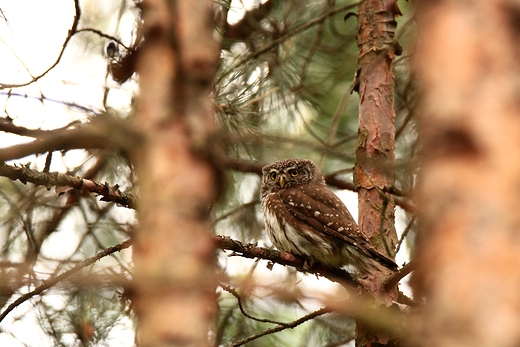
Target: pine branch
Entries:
(282, 39)
(109, 193)
(340, 276)
(113, 194)
(284, 258)
(103, 131)
(281, 327)
(233, 292)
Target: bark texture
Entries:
(376, 135)
(173, 249)
(468, 62)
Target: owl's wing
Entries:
(325, 212)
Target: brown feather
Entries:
(336, 221)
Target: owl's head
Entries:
(285, 173)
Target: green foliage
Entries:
(290, 92)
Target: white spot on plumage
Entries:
(316, 213)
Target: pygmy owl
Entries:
(304, 217)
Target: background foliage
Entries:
(284, 89)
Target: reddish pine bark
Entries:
(376, 135)
(173, 249)
(468, 63)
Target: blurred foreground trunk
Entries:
(468, 63)
(173, 249)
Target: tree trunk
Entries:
(469, 68)
(173, 249)
(374, 170)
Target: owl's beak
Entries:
(282, 181)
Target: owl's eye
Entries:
(272, 175)
(294, 173)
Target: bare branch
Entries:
(103, 131)
(55, 140)
(394, 279)
(110, 193)
(41, 98)
(106, 36)
(6, 125)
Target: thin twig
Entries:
(44, 98)
(283, 39)
(235, 210)
(278, 328)
(106, 36)
(72, 31)
(53, 281)
(232, 291)
(405, 233)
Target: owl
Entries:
(304, 217)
